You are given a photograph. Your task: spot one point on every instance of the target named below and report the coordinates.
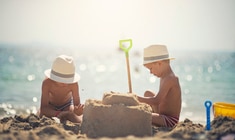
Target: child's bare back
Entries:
(166, 104)
(170, 104)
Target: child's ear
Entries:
(157, 63)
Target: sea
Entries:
(204, 76)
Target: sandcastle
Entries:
(117, 115)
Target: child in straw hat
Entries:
(166, 104)
(60, 93)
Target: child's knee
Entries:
(71, 108)
(148, 93)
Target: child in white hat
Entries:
(166, 104)
(60, 91)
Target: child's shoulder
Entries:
(171, 79)
(47, 81)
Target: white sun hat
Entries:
(63, 70)
(155, 53)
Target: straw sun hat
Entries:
(155, 53)
(63, 70)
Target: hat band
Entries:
(62, 75)
(156, 57)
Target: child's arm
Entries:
(78, 108)
(164, 89)
(148, 100)
(165, 85)
(75, 93)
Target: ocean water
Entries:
(203, 76)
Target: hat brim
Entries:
(151, 61)
(53, 77)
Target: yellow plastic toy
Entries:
(224, 109)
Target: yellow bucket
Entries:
(224, 109)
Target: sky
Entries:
(179, 24)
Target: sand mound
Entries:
(116, 115)
(31, 127)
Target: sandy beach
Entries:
(132, 120)
(34, 128)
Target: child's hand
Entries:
(135, 95)
(78, 110)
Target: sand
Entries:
(31, 127)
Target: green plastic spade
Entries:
(122, 44)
